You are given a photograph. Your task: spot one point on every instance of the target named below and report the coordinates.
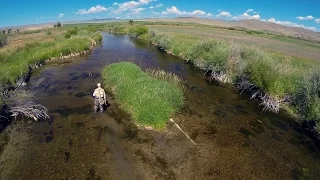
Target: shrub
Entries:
(3, 40)
(140, 30)
(307, 99)
(71, 32)
(59, 24)
(209, 53)
(119, 28)
(163, 42)
(83, 32)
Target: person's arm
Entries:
(105, 97)
(94, 93)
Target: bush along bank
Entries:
(278, 81)
(16, 65)
(149, 97)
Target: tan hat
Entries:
(99, 85)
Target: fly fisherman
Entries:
(99, 98)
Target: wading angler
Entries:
(99, 98)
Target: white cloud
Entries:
(129, 5)
(198, 13)
(249, 10)
(137, 10)
(224, 14)
(165, 13)
(175, 11)
(247, 16)
(305, 18)
(291, 24)
(115, 4)
(156, 6)
(317, 20)
(209, 15)
(96, 9)
(155, 13)
(256, 16)
(145, 1)
(61, 15)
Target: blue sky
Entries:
(295, 13)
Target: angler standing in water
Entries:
(99, 98)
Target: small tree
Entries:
(17, 31)
(140, 30)
(3, 31)
(131, 22)
(9, 31)
(59, 24)
(3, 40)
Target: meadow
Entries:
(25, 49)
(275, 43)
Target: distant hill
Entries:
(273, 27)
(251, 24)
(51, 24)
(242, 24)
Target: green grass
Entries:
(149, 100)
(304, 43)
(275, 74)
(301, 48)
(14, 63)
(31, 31)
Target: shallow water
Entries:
(234, 139)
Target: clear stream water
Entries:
(234, 139)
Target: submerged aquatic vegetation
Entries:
(150, 101)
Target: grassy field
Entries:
(274, 43)
(26, 49)
(149, 99)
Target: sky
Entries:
(296, 13)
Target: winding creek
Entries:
(234, 139)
